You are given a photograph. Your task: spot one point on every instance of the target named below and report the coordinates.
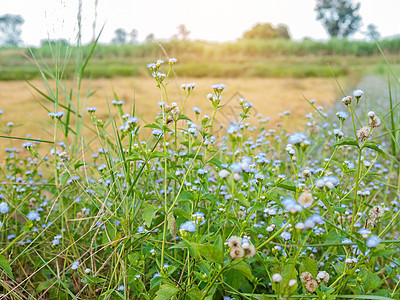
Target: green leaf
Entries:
(134, 157)
(155, 126)
(216, 162)
(243, 200)
(155, 282)
(183, 117)
(234, 278)
(181, 245)
(374, 146)
(158, 154)
(185, 196)
(44, 285)
(256, 207)
(93, 280)
(210, 197)
(309, 265)
(210, 252)
(166, 291)
(370, 280)
(340, 209)
(110, 234)
(347, 141)
(194, 294)
(182, 213)
(148, 214)
(287, 185)
(79, 164)
(245, 270)
(5, 265)
(289, 272)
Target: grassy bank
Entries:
(244, 58)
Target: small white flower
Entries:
(358, 93)
(292, 282)
(223, 173)
(277, 278)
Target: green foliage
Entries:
(244, 58)
(267, 31)
(5, 266)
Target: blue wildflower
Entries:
(4, 208)
(33, 216)
(75, 265)
(188, 226)
(373, 241)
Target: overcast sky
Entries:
(212, 20)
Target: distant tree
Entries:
(183, 32)
(120, 36)
(267, 31)
(150, 37)
(133, 36)
(339, 17)
(57, 42)
(10, 31)
(372, 32)
(283, 31)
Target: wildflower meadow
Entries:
(114, 208)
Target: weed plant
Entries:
(177, 209)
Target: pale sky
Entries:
(211, 20)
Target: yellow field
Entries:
(21, 104)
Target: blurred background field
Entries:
(270, 97)
(243, 58)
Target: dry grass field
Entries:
(21, 104)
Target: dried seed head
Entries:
(234, 241)
(347, 100)
(311, 285)
(250, 251)
(376, 212)
(305, 276)
(375, 121)
(306, 173)
(363, 133)
(306, 199)
(236, 252)
(167, 108)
